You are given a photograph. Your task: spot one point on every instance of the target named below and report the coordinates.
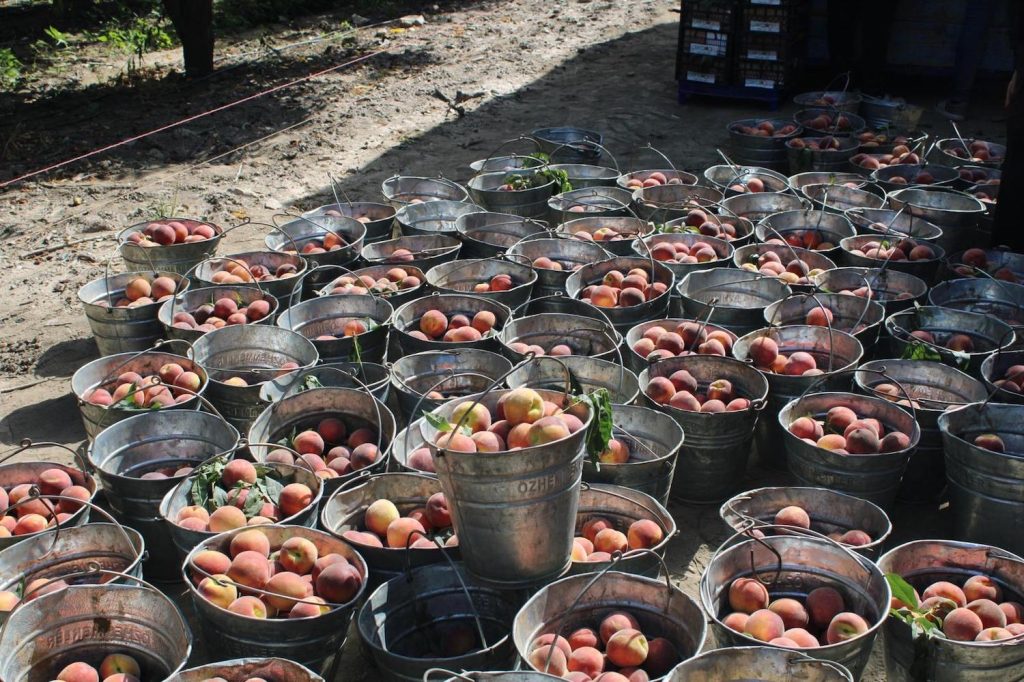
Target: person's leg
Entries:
(970, 50)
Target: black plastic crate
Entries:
(709, 15)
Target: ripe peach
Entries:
(586, 660)
(114, 664)
(802, 638)
(627, 647)
(644, 534)
(1013, 611)
(472, 415)
(764, 625)
(945, 589)
(839, 418)
(250, 569)
(523, 405)
(400, 530)
(79, 672)
(806, 427)
(862, 441)
(584, 637)
(29, 523)
(338, 583)
(193, 512)
(549, 659)
(294, 498)
(982, 587)
(437, 511)
(616, 452)
(379, 515)
(305, 609)
(217, 590)
(614, 622)
(799, 363)
(737, 621)
(594, 525)
(52, 481)
(1015, 629)
(250, 541)
(823, 604)
(793, 516)
(287, 587)
(660, 390)
(962, 625)
(77, 492)
(748, 595)
(684, 400)
(212, 562)
(434, 323)
(763, 351)
(610, 540)
(844, 626)
(832, 441)
(993, 635)
(298, 555)
(368, 539)
(720, 389)
(226, 518)
(991, 615)
(791, 611)
(8, 600)
(248, 606)
(990, 441)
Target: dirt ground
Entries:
(514, 66)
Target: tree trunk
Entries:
(193, 21)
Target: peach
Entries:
(993, 635)
(839, 418)
(8, 600)
(823, 604)
(400, 530)
(894, 441)
(472, 415)
(523, 405)
(286, 587)
(218, 591)
(989, 612)
(844, 626)
(437, 511)
(764, 625)
(360, 538)
(305, 609)
(458, 442)
(610, 540)
(862, 441)
(379, 515)
(627, 647)
(248, 606)
(212, 562)
(962, 625)
(28, 524)
(799, 363)
(660, 390)
(616, 452)
(193, 512)
(484, 321)
(990, 441)
(550, 659)
(802, 638)
(736, 621)
(123, 664)
(819, 317)
(294, 498)
(806, 427)
(748, 595)
(791, 611)
(644, 534)
(1015, 629)
(587, 660)
(832, 441)
(855, 538)
(594, 525)
(793, 516)
(339, 583)
(226, 518)
(250, 541)
(298, 555)
(78, 672)
(614, 622)
(250, 569)
(584, 637)
(763, 351)
(945, 589)
(1013, 611)
(52, 481)
(434, 323)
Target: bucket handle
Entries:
(458, 576)
(205, 401)
(995, 389)
(273, 228)
(747, 530)
(245, 266)
(28, 444)
(303, 372)
(117, 369)
(494, 152)
(34, 494)
(633, 155)
(604, 316)
(450, 374)
(828, 322)
(583, 144)
(617, 556)
(447, 673)
(853, 370)
(607, 491)
(798, 659)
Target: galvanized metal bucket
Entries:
(376, 378)
(654, 439)
(809, 226)
(716, 449)
(89, 622)
(723, 253)
(607, 202)
(924, 268)
(443, 675)
(725, 177)
(462, 276)
(569, 143)
(128, 328)
(894, 290)
(329, 315)
(637, 362)
(859, 316)
(938, 659)
(485, 189)
(943, 176)
(314, 642)
(450, 373)
(399, 190)
(798, 180)
(996, 260)
(426, 251)
(377, 272)
(180, 496)
(622, 385)
(934, 388)
(839, 198)
(623, 506)
(855, 124)
(343, 511)
(625, 230)
(357, 408)
(278, 287)
(797, 565)
(254, 353)
(410, 624)
(803, 159)
(757, 662)
(673, 176)
(407, 442)
(836, 100)
(407, 319)
(485, 235)
(623, 319)
(432, 217)
(815, 261)
(830, 512)
(957, 213)
(742, 228)
(733, 299)
(189, 301)
(301, 231)
(663, 203)
(583, 175)
(758, 206)
(579, 601)
(987, 333)
(834, 352)
(767, 151)
(505, 163)
(105, 370)
(994, 369)
(514, 515)
(569, 254)
(945, 148)
(883, 220)
(874, 477)
(378, 218)
(244, 669)
(178, 258)
(150, 442)
(584, 336)
(996, 298)
(986, 488)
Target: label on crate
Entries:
(759, 83)
(713, 50)
(706, 24)
(765, 26)
(763, 55)
(700, 77)
(773, 3)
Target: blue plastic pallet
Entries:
(771, 97)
